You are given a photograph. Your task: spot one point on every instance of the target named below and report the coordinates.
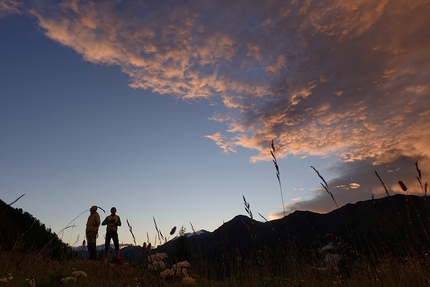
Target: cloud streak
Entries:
(346, 78)
(8, 7)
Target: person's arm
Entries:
(119, 222)
(105, 221)
(97, 220)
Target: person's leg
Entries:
(90, 250)
(116, 243)
(107, 243)
(93, 251)
(91, 239)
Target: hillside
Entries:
(388, 225)
(20, 231)
(380, 226)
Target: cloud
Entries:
(8, 7)
(346, 78)
(357, 181)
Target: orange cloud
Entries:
(344, 78)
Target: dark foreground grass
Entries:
(32, 270)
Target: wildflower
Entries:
(166, 273)
(183, 264)
(188, 281)
(156, 261)
(67, 279)
(3, 280)
(31, 282)
(180, 268)
(79, 273)
(184, 272)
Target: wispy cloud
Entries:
(8, 7)
(333, 78)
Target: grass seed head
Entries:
(403, 186)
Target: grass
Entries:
(33, 270)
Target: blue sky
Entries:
(168, 109)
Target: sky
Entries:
(167, 109)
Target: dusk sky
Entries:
(167, 109)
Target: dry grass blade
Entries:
(325, 186)
(278, 174)
(383, 184)
(131, 231)
(263, 217)
(192, 228)
(320, 176)
(67, 227)
(420, 180)
(77, 240)
(418, 169)
(16, 199)
(160, 235)
(68, 224)
(327, 189)
(4, 212)
(247, 207)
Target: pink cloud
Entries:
(348, 79)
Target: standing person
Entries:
(112, 221)
(91, 231)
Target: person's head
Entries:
(113, 210)
(93, 209)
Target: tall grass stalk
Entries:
(19, 197)
(420, 180)
(130, 228)
(278, 174)
(382, 183)
(418, 213)
(4, 212)
(247, 207)
(325, 186)
(159, 234)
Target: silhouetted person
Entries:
(91, 231)
(112, 221)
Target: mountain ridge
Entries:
(381, 224)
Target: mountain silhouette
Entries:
(394, 225)
(391, 225)
(21, 232)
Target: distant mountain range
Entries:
(381, 225)
(386, 225)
